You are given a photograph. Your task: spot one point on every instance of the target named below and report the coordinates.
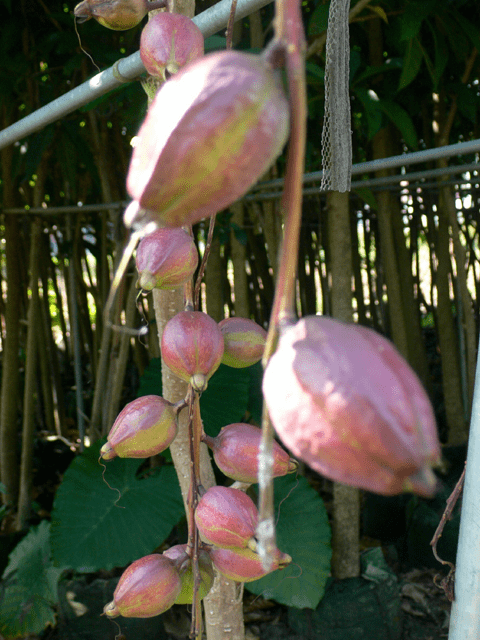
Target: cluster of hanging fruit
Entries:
(193, 345)
(340, 396)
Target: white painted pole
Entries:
(465, 614)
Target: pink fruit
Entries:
(166, 258)
(244, 565)
(212, 131)
(142, 429)
(146, 588)
(192, 347)
(342, 399)
(118, 15)
(244, 342)
(183, 563)
(227, 517)
(169, 41)
(236, 448)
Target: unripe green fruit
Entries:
(165, 259)
(146, 588)
(227, 517)
(118, 15)
(212, 131)
(183, 563)
(244, 342)
(146, 426)
(245, 565)
(192, 347)
(168, 42)
(236, 449)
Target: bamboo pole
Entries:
(28, 429)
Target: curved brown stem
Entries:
(290, 35)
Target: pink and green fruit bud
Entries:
(118, 15)
(166, 258)
(168, 42)
(146, 588)
(192, 347)
(145, 427)
(245, 565)
(244, 342)
(236, 449)
(227, 517)
(212, 131)
(183, 563)
(344, 401)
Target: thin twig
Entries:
(231, 21)
(203, 264)
(448, 582)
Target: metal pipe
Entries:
(124, 70)
(460, 148)
(465, 613)
(378, 182)
(374, 182)
(69, 208)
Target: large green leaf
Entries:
(226, 398)
(373, 112)
(412, 62)
(318, 20)
(413, 16)
(401, 120)
(91, 530)
(30, 586)
(230, 394)
(151, 380)
(303, 531)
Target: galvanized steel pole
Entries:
(124, 70)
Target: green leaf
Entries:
(440, 55)
(401, 120)
(151, 380)
(413, 16)
(467, 101)
(412, 62)
(367, 196)
(303, 531)
(30, 583)
(319, 20)
(226, 399)
(469, 29)
(315, 73)
(255, 395)
(91, 530)
(372, 110)
(392, 65)
(214, 43)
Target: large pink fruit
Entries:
(236, 448)
(168, 42)
(212, 131)
(343, 400)
(147, 588)
(166, 258)
(183, 563)
(192, 347)
(245, 565)
(244, 342)
(227, 517)
(146, 426)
